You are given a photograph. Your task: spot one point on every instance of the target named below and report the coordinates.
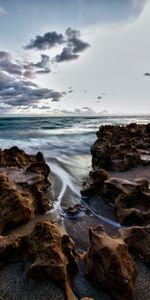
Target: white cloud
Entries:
(139, 4)
(3, 11)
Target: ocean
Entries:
(65, 143)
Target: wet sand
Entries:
(138, 172)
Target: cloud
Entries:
(29, 72)
(44, 61)
(73, 45)
(21, 69)
(35, 106)
(48, 40)
(147, 74)
(9, 67)
(44, 71)
(43, 65)
(15, 92)
(3, 11)
(86, 108)
(66, 55)
(99, 97)
(139, 4)
(74, 41)
(70, 91)
(5, 55)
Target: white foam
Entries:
(66, 182)
(105, 220)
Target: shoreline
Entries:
(95, 212)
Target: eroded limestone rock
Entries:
(110, 266)
(24, 187)
(15, 206)
(15, 157)
(95, 182)
(133, 208)
(138, 240)
(50, 251)
(113, 187)
(119, 147)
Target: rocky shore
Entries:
(101, 247)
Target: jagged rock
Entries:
(75, 209)
(110, 266)
(50, 251)
(54, 256)
(138, 240)
(40, 168)
(101, 155)
(12, 249)
(133, 208)
(118, 147)
(15, 157)
(113, 187)
(15, 206)
(95, 182)
(24, 187)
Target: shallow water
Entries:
(65, 142)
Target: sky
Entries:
(74, 57)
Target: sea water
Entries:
(65, 143)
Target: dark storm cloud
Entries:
(66, 55)
(35, 106)
(45, 60)
(48, 40)
(147, 74)
(43, 65)
(86, 108)
(74, 40)
(7, 65)
(10, 67)
(45, 107)
(44, 71)
(70, 91)
(5, 55)
(73, 45)
(24, 70)
(24, 93)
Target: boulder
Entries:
(12, 249)
(50, 252)
(113, 187)
(15, 157)
(53, 256)
(138, 240)
(95, 182)
(39, 167)
(24, 187)
(133, 208)
(118, 147)
(109, 265)
(20, 202)
(75, 209)
(15, 206)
